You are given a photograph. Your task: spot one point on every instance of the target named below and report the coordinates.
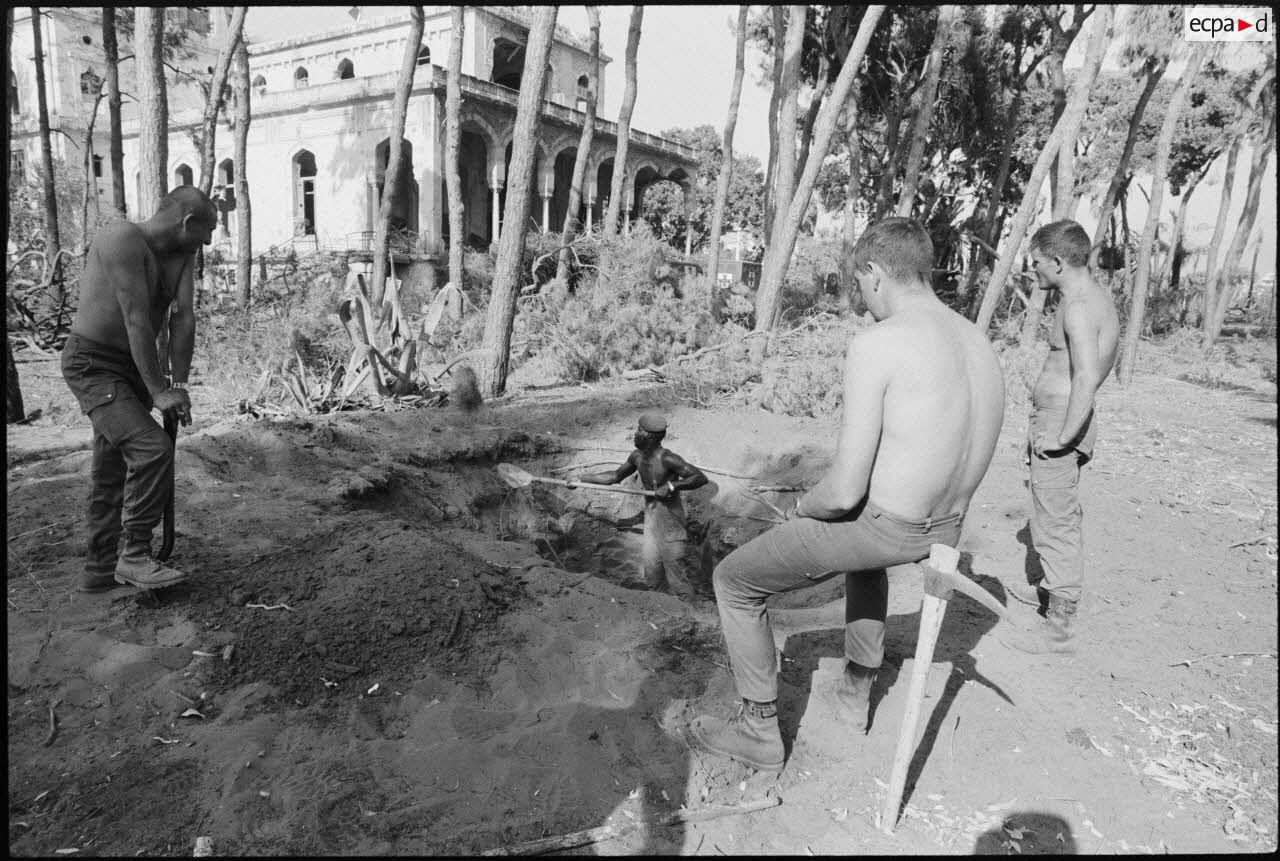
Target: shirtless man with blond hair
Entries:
(1061, 432)
(132, 275)
(923, 405)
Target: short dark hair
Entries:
(900, 245)
(1065, 239)
(187, 200)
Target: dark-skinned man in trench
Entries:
(666, 474)
(132, 275)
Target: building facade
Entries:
(319, 141)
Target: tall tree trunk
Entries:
(1208, 300)
(849, 300)
(889, 161)
(452, 141)
(726, 162)
(991, 212)
(924, 116)
(506, 273)
(1173, 261)
(391, 179)
(779, 19)
(153, 108)
(1159, 171)
(811, 113)
(1155, 71)
(14, 409)
(112, 55)
(618, 188)
(1225, 283)
(788, 109)
(89, 211)
(778, 257)
(244, 214)
(213, 102)
(1071, 117)
(584, 144)
(52, 239)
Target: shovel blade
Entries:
(514, 475)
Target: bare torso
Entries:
(99, 317)
(1054, 383)
(943, 408)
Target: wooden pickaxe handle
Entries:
(560, 482)
(943, 561)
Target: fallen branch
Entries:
(453, 630)
(776, 488)
(608, 832)
(1191, 661)
(53, 724)
(1255, 540)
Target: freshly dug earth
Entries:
(524, 688)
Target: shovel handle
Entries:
(166, 546)
(562, 483)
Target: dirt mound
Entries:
(355, 607)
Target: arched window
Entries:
(304, 193)
(97, 166)
(584, 89)
(182, 175)
(13, 93)
(300, 78)
(260, 84)
(89, 82)
(346, 70)
(424, 55)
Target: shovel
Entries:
(517, 477)
(166, 546)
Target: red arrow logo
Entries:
(1244, 25)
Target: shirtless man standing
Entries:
(666, 474)
(923, 404)
(1060, 435)
(132, 274)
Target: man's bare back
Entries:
(122, 244)
(943, 407)
(1099, 314)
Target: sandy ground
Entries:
(461, 666)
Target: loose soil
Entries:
(424, 661)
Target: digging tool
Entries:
(517, 477)
(940, 579)
(170, 428)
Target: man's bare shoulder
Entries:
(120, 240)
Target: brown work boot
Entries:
(1053, 635)
(751, 736)
(852, 695)
(1028, 593)
(146, 573)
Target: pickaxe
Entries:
(940, 579)
(166, 546)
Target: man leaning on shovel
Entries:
(132, 274)
(666, 474)
(923, 403)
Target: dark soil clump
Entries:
(363, 607)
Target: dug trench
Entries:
(382, 647)
(386, 649)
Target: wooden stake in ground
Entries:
(940, 578)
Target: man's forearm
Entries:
(1079, 408)
(142, 346)
(182, 339)
(824, 501)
